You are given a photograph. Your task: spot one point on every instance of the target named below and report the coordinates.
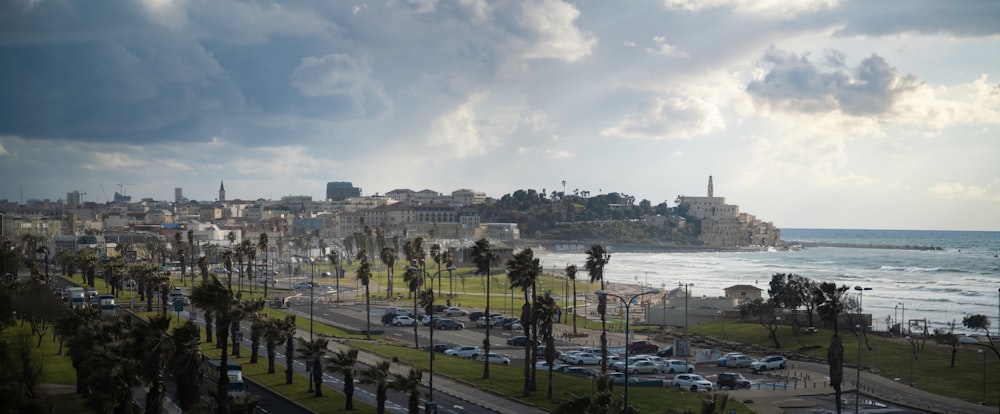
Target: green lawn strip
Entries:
(320, 328)
(332, 400)
(509, 381)
(891, 357)
(56, 369)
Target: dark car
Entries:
(541, 352)
(443, 324)
(519, 341)
(440, 348)
(732, 381)
(389, 316)
(580, 372)
(508, 323)
(642, 347)
(475, 315)
(667, 351)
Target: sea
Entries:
(940, 285)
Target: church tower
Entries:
(711, 188)
(222, 192)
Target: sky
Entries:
(877, 114)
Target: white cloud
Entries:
(673, 118)
(665, 49)
(334, 74)
(460, 131)
(781, 9)
(959, 191)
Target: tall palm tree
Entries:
(74, 328)
(597, 258)
(88, 261)
(571, 275)
(262, 244)
(364, 275)
(334, 258)
(214, 297)
(409, 384)
(227, 261)
(257, 328)
(250, 250)
(483, 256)
(190, 237)
(185, 364)
(437, 258)
(313, 353)
(289, 328)
(546, 315)
(153, 348)
(830, 300)
(114, 268)
(179, 251)
(449, 260)
(274, 335)
(522, 272)
(388, 257)
(203, 267)
(378, 375)
(342, 362)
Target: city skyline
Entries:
(810, 114)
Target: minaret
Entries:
(222, 192)
(711, 190)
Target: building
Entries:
(722, 225)
(341, 190)
(222, 192)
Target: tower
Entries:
(710, 187)
(222, 191)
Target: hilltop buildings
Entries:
(722, 225)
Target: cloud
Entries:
(771, 8)
(794, 83)
(673, 118)
(959, 191)
(665, 49)
(960, 18)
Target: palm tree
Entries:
(313, 352)
(597, 258)
(522, 272)
(342, 362)
(190, 235)
(378, 375)
(364, 275)
(449, 260)
(413, 277)
(212, 296)
(274, 335)
(73, 326)
(203, 267)
(437, 258)
(388, 257)
(114, 266)
(262, 245)
(88, 261)
(830, 304)
(153, 348)
(545, 312)
(483, 257)
(289, 328)
(250, 250)
(179, 251)
(227, 261)
(409, 384)
(571, 275)
(185, 364)
(334, 259)
(257, 327)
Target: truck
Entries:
(77, 297)
(213, 369)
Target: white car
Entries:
(620, 365)
(494, 358)
(403, 320)
(302, 285)
(768, 362)
(676, 365)
(583, 358)
(643, 367)
(693, 382)
(738, 361)
(464, 351)
(455, 311)
(542, 365)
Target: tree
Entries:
(948, 337)
(763, 312)
(597, 258)
(483, 256)
(522, 272)
(364, 275)
(153, 349)
(545, 315)
(342, 363)
(388, 257)
(829, 299)
(289, 327)
(409, 384)
(274, 335)
(262, 244)
(313, 353)
(212, 296)
(600, 400)
(378, 375)
(334, 258)
(571, 275)
(185, 364)
(437, 257)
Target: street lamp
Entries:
(628, 302)
(974, 341)
(902, 308)
(980, 351)
(913, 352)
(857, 383)
(687, 343)
(312, 285)
(451, 281)
(503, 285)
(722, 323)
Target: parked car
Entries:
(481, 322)
(444, 324)
(454, 311)
(643, 367)
(509, 322)
(667, 351)
(269, 280)
(425, 320)
(403, 320)
(466, 351)
(302, 285)
(732, 381)
(676, 365)
(619, 378)
(768, 362)
(545, 366)
(721, 361)
(440, 348)
(580, 372)
(474, 316)
(541, 352)
(693, 382)
(494, 358)
(738, 361)
(642, 347)
(519, 341)
(620, 365)
(583, 358)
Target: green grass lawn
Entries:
(891, 357)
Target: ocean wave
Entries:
(915, 269)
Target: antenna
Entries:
(121, 188)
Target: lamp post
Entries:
(628, 302)
(722, 323)
(503, 285)
(895, 316)
(902, 313)
(451, 281)
(312, 285)
(974, 341)
(913, 351)
(857, 383)
(687, 343)
(980, 351)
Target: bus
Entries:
(213, 368)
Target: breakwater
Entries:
(861, 245)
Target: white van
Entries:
(77, 297)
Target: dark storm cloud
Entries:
(794, 83)
(963, 18)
